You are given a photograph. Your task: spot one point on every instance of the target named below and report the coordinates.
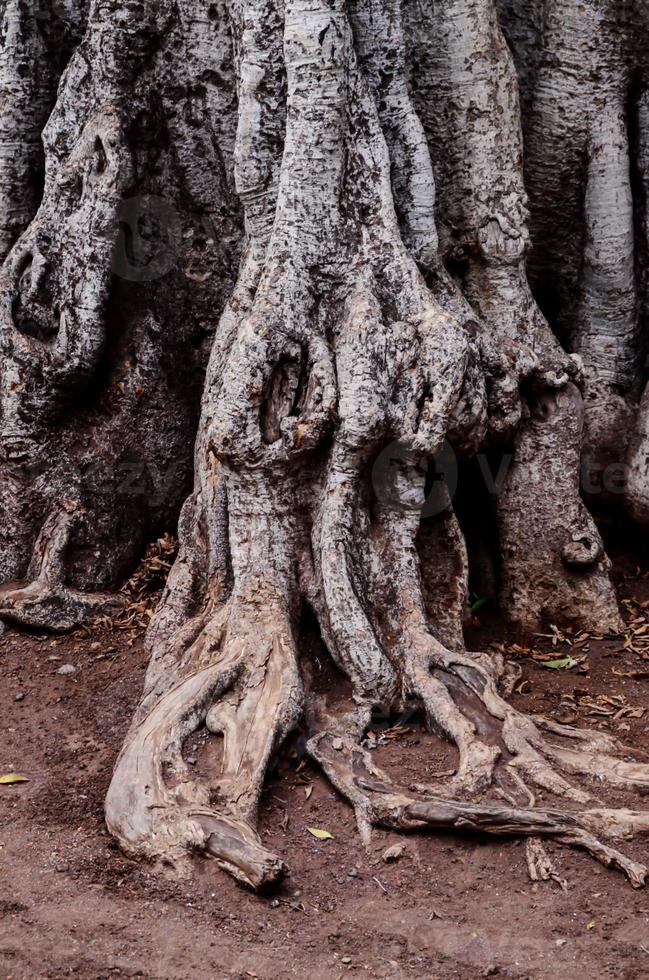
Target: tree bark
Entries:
(36, 41)
(108, 304)
(364, 162)
(583, 71)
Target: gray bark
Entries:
(36, 40)
(365, 165)
(583, 71)
(108, 302)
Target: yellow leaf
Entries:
(591, 925)
(12, 777)
(320, 834)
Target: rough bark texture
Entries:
(370, 330)
(108, 302)
(584, 77)
(37, 39)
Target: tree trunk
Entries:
(369, 333)
(586, 89)
(108, 303)
(37, 39)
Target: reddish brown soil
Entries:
(453, 906)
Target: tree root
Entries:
(251, 696)
(53, 608)
(378, 801)
(332, 349)
(502, 753)
(162, 822)
(46, 602)
(250, 693)
(237, 676)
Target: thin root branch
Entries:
(379, 802)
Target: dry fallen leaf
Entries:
(636, 674)
(320, 834)
(394, 853)
(12, 777)
(308, 791)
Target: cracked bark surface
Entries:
(335, 344)
(584, 77)
(36, 41)
(361, 164)
(101, 360)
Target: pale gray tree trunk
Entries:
(363, 166)
(585, 78)
(37, 39)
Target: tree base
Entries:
(336, 346)
(158, 808)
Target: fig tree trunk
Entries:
(311, 218)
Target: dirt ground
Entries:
(452, 907)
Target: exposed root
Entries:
(239, 678)
(53, 608)
(503, 754)
(377, 801)
(249, 694)
(47, 603)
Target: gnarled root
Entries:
(240, 680)
(503, 754)
(379, 802)
(332, 349)
(46, 601)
